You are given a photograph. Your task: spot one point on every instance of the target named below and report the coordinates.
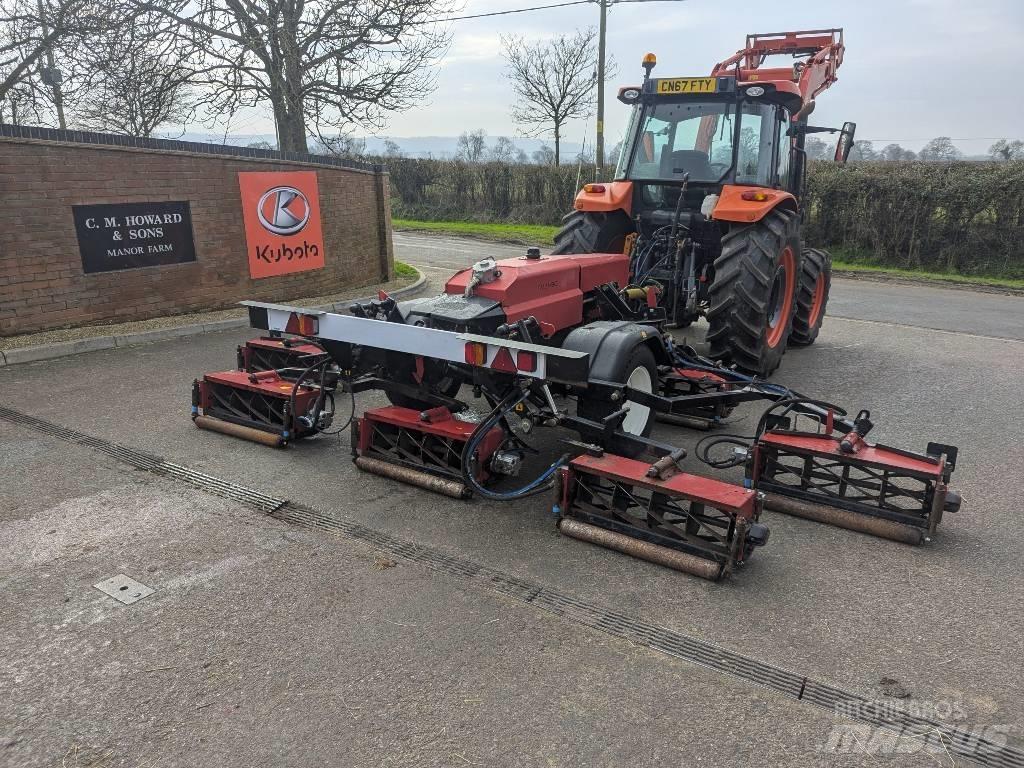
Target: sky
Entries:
(913, 70)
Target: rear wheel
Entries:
(811, 296)
(592, 232)
(640, 372)
(753, 295)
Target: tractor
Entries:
(707, 197)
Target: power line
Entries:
(514, 10)
(963, 138)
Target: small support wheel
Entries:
(640, 372)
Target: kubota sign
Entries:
(281, 211)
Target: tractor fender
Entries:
(732, 207)
(606, 197)
(610, 344)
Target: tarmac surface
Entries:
(271, 644)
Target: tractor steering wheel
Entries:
(719, 168)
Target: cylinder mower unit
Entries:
(421, 448)
(850, 483)
(656, 512)
(263, 407)
(288, 356)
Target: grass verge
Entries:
(939, 277)
(520, 234)
(404, 270)
(540, 234)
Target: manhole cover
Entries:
(124, 589)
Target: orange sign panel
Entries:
(281, 211)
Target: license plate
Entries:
(687, 85)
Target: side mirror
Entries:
(845, 144)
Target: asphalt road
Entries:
(268, 644)
(963, 311)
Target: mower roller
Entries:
(578, 343)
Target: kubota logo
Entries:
(283, 210)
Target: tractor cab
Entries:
(707, 131)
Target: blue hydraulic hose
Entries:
(477, 437)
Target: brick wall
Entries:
(43, 286)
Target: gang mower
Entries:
(569, 361)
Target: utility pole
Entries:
(52, 75)
(599, 147)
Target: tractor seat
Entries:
(691, 161)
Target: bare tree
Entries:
(392, 149)
(895, 153)
(816, 149)
(863, 151)
(939, 150)
(139, 80)
(320, 64)
(554, 82)
(544, 155)
(344, 145)
(34, 35)
(472, 146)
(504, 151)
(1007, 150)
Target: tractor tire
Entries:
(591, 232)
(753, 296)
(811, 296)
(640, 372)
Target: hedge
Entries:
(961, 217)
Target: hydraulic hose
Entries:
(502, 409)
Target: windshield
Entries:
(683, 137)
(694, 137)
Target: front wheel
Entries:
(753, 295)
(592, 232)
(811, 296)
(640, 373)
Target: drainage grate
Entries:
(149, 462)
(219, 487)
(962, 743)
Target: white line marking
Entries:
(925, 328)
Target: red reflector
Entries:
(526, 361)
(308, 325)
(476, 353)
(302, 325)
(503, 361)
(754, 196)
(596, 188)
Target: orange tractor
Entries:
(707, 197)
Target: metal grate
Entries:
(149, 462)
(956, 741)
